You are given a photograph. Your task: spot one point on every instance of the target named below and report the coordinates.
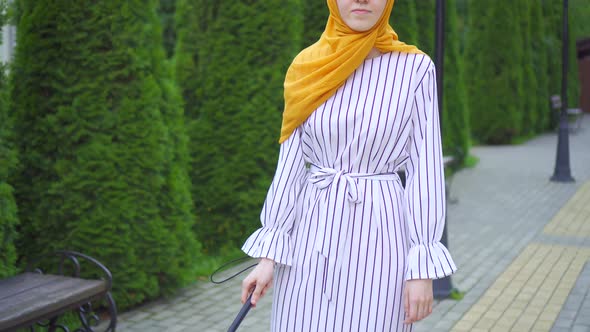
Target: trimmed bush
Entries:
(96, 123)
(315, 16)
(552, 14)
(238, 56)
(579, 16)
(425, 18)
(167, 11)
(175, 199)
(8, 163)
(494, 73)
(404, 22)
(455, 121)
(530, 99)
(539, 53)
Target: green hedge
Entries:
(455, 119)
(494, 75)
(514, 64)
(8, 163)
(102, 171)
(425, 18)
(540, 61)
(315, 16)
(552, 13)
(191, 17)
(530, 106)
(174, 197)
(404, 21)
(167, 12)
(232, 83)
(579, 29)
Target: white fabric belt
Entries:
(331, 245)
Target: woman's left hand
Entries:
(417, 299)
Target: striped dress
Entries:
(344, 232)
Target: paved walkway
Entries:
(521, 242)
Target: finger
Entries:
(427, 308)
(421, 311)
(406, 305)
(257, 293)
(268, 286)
(418, 314)
(246, 286)
(413, 311)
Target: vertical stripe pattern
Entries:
(384, 118)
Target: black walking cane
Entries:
(246, 307)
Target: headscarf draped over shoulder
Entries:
(319, 70)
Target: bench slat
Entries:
(28, 296)
(12, 286)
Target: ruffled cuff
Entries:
(429, 261)
(269, 243)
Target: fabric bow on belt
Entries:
(333, 230)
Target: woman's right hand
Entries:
(260, 279)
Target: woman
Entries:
(348, 248)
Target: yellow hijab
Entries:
(319, 70)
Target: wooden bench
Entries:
(33, 298)
(575, 113)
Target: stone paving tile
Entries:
(502, 205)
(529, 294)
(572, 220)
(575, 313)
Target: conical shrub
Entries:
(455, 120)
(315, 16)
(96, 123)
(231, 68)
(8, 163)
(494, 72)
(404, 21)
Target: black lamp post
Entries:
(442, 288)
(562, 171)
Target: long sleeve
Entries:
(273, 239)
(424, 194)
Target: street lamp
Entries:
(562, 171)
